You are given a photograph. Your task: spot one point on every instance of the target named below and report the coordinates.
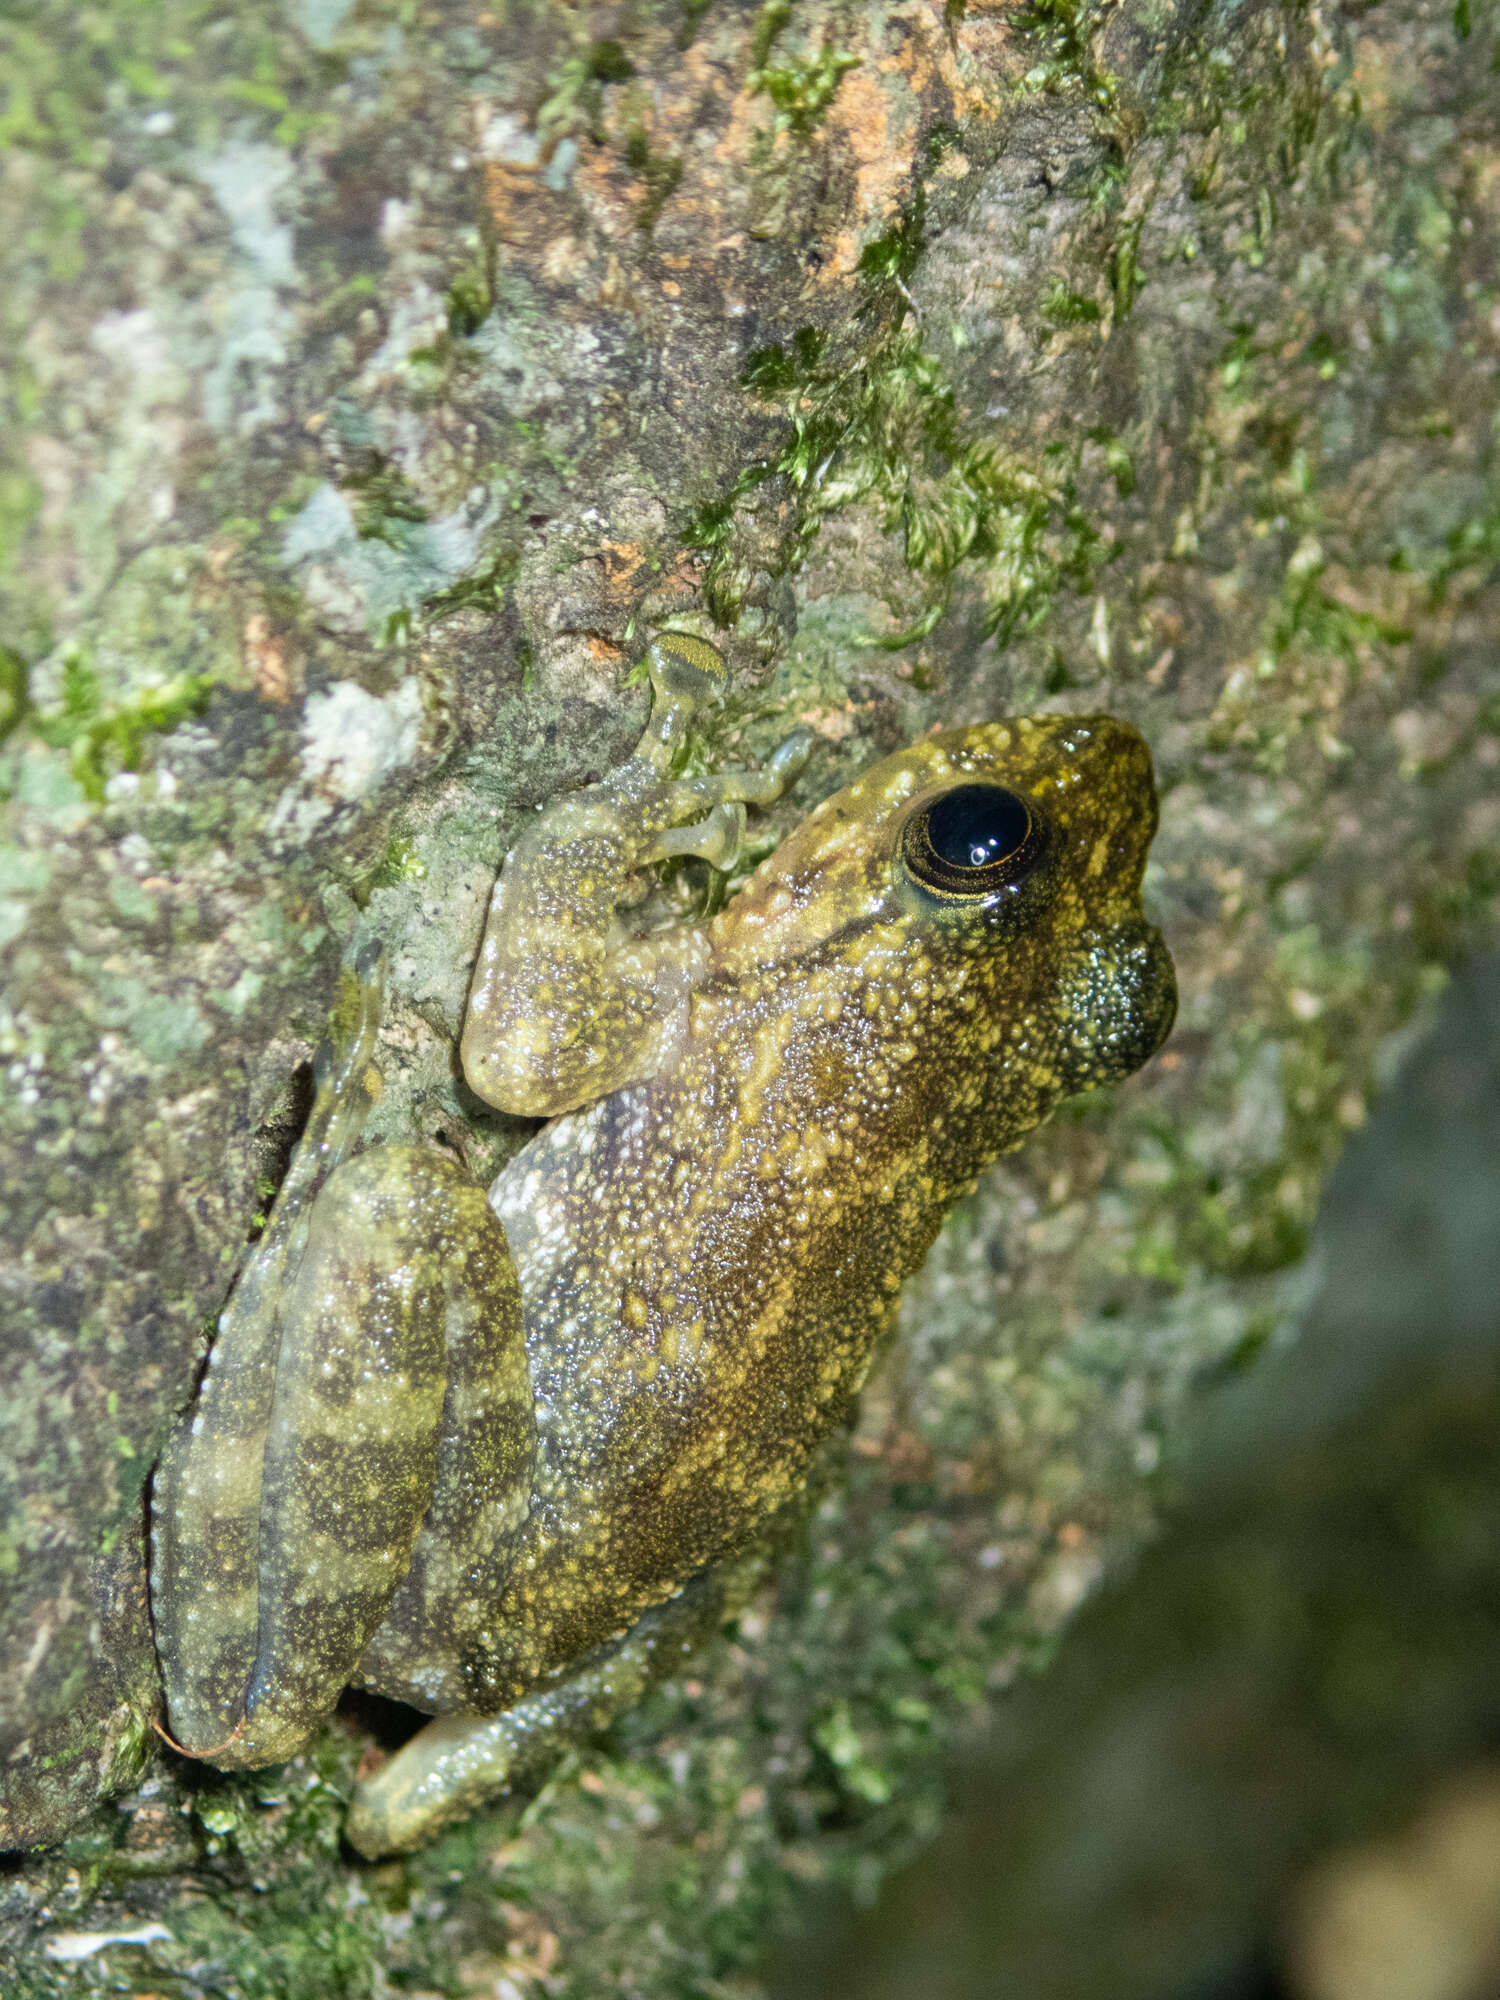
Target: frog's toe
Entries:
(685, 668)
(789, 759)
(715, 838)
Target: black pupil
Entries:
(974, 826)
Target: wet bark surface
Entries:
(377, 377)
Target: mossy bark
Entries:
(1305, 1657)
(377, 376)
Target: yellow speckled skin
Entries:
(762, 1123)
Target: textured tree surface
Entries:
(1314, 1639)
(377, 375)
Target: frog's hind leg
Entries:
(372, 1348)
(460, 1762)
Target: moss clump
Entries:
(384, 498)
(661, 173)
(575, 97)
(802, 88)
(484, 591)
(883, 430)
(101, 736)
(469, 300)
(1065, 31)
(1062, 307)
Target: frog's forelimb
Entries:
(554, 954)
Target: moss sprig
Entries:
(883, 430)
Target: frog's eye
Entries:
(971, 841)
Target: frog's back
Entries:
(707, 1258)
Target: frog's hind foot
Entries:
(460, 1762)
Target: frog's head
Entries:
(990, 877)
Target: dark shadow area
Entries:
(1313, 1643)
(388, 1724)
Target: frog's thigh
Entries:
(458, 1762)
(287, 1510)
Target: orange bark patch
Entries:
(265, 655)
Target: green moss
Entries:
(835, 1735)
(1472, 545)
(20, 506)
(401, 862)
(802, 88)
(1125, 274)
(1307, 615)
(63, 74)
(14, 692)
(1240, 1202)
(383, 498)
(485, 590)
(1066, 31)
(691, 18)
(470, 298)
(892, 257)
(882, 430)
(101, 735)
(769, 22)
(575, 90)
(608, 62)
(1062, 307)
(1120, 461)
(661, 173)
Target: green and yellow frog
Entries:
(501, 1457)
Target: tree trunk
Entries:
(378, 375)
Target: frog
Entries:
(505, 1455)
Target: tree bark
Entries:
(377, 377)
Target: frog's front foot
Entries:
(564, 1005)
(685, 673)
(707, 813)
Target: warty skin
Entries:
(504, 1461)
